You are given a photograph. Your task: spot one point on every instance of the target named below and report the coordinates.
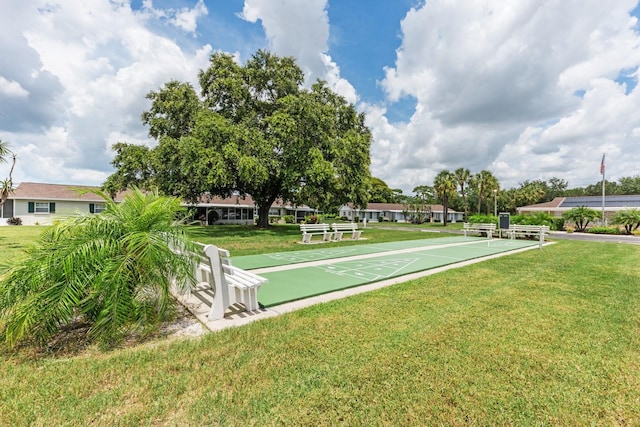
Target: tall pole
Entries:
(495, 202)
(604, 221)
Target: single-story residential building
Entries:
(559, 205)
(395, 212)
(241, 210)
(38, 203)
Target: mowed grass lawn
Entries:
(548, 337)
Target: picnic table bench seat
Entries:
(340, 228)
(488, 228)
(309, 230)
(230, 284)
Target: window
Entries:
(42, 207)
(96, 207)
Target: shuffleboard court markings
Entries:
(370, 270)
(304, 256)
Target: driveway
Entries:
(560, 235)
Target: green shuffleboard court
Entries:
(301, 282)
(249, 262)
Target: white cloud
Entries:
(300, 29)
(526, 89)
(495, 84)
(88, 65)
(184, 18)
(12, 88)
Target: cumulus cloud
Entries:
(184, 18)
(12, 89)
(301, 29)
(526, 89)
(81, 71)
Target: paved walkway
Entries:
(301, 284)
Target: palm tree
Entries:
(113, 270)
(581, 216)
(6, 185)
(445, 186)
(463, 176)
(484, 183)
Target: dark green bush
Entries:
(289, 219)
(311, 219)
(14, 221)
(604, 230)
(483, 219)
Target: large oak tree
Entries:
(254, 130)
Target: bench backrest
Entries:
(344, 226)
(479, 226)
(531, 228)
(314, 227)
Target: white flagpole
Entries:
(602, 170)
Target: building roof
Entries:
(566, 203)
(396, 207)
(58, 192)
(35, 190)
(596, 201)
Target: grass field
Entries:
(545, 337)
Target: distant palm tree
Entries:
(113, 270)
(484, 183)
(6, 185)
(581, 216)
(445, 186)
(463, 176)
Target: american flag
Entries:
(602, 166)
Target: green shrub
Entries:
(483, 219)
(539, 218)
(289, 219)
(14, 221)
(604, 230)
(311, 219)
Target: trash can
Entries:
(503, 222)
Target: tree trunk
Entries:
(445, 202)
(263, 211)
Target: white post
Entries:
(604, 221)
(495, 202)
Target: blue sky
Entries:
(527, 90)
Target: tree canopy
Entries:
(254, 130)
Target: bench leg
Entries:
(338, 236)
(306, 238)
(356, 235)
(327, 237)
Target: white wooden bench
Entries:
(528, 231)
(230, 285)
(308, 230)
(340, 228)
(487, 228)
